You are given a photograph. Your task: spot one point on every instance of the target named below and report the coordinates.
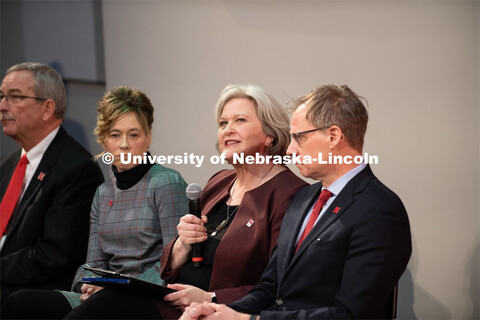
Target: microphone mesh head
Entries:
(194, 191)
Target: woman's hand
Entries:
(191, 230)
(185, 295)
(88, 290)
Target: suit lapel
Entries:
(8, 167)
(220, 197)
(27, 198)
(343, 200)
(39, 177)
(292, 222)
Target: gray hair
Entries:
(273, 117)
(48, 84)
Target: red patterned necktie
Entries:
(10, 198)
(324, 196)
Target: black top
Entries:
(200, 277)
(129, 178)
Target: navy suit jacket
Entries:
(349, 263)
(47, 234)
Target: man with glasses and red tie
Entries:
(46, 188)
(344, 242)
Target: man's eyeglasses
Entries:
(297, 136)
(15, 98)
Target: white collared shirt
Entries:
(335, 188)
(34, 157)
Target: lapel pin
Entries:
(250, 222)
(110, 203)
(41, 176)
(336, 210)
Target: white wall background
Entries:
(416, 62)
(55, 32)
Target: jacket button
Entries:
(279, 302)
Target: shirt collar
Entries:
(341, 182)
(35, 154)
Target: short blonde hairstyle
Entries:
(273, 117)
(117, 102)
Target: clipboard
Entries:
(115, 280)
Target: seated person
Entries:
(45, 196)
(242, 210)
(133, 215)
(344, 242)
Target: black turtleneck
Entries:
(127, 179)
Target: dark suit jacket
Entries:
(347, 266)
(244, 251)
(48, 232)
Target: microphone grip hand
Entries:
(191, 230)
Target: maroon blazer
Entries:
(244, 251)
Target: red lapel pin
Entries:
(41, 176)
(336, 210)
(110, 203)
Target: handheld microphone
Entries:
(193, 194)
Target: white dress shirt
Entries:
(34, 157)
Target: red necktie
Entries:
(324, 196)
(10, 198)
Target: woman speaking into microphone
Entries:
(241, 213)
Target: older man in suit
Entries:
(345, 241)
(46, 187)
